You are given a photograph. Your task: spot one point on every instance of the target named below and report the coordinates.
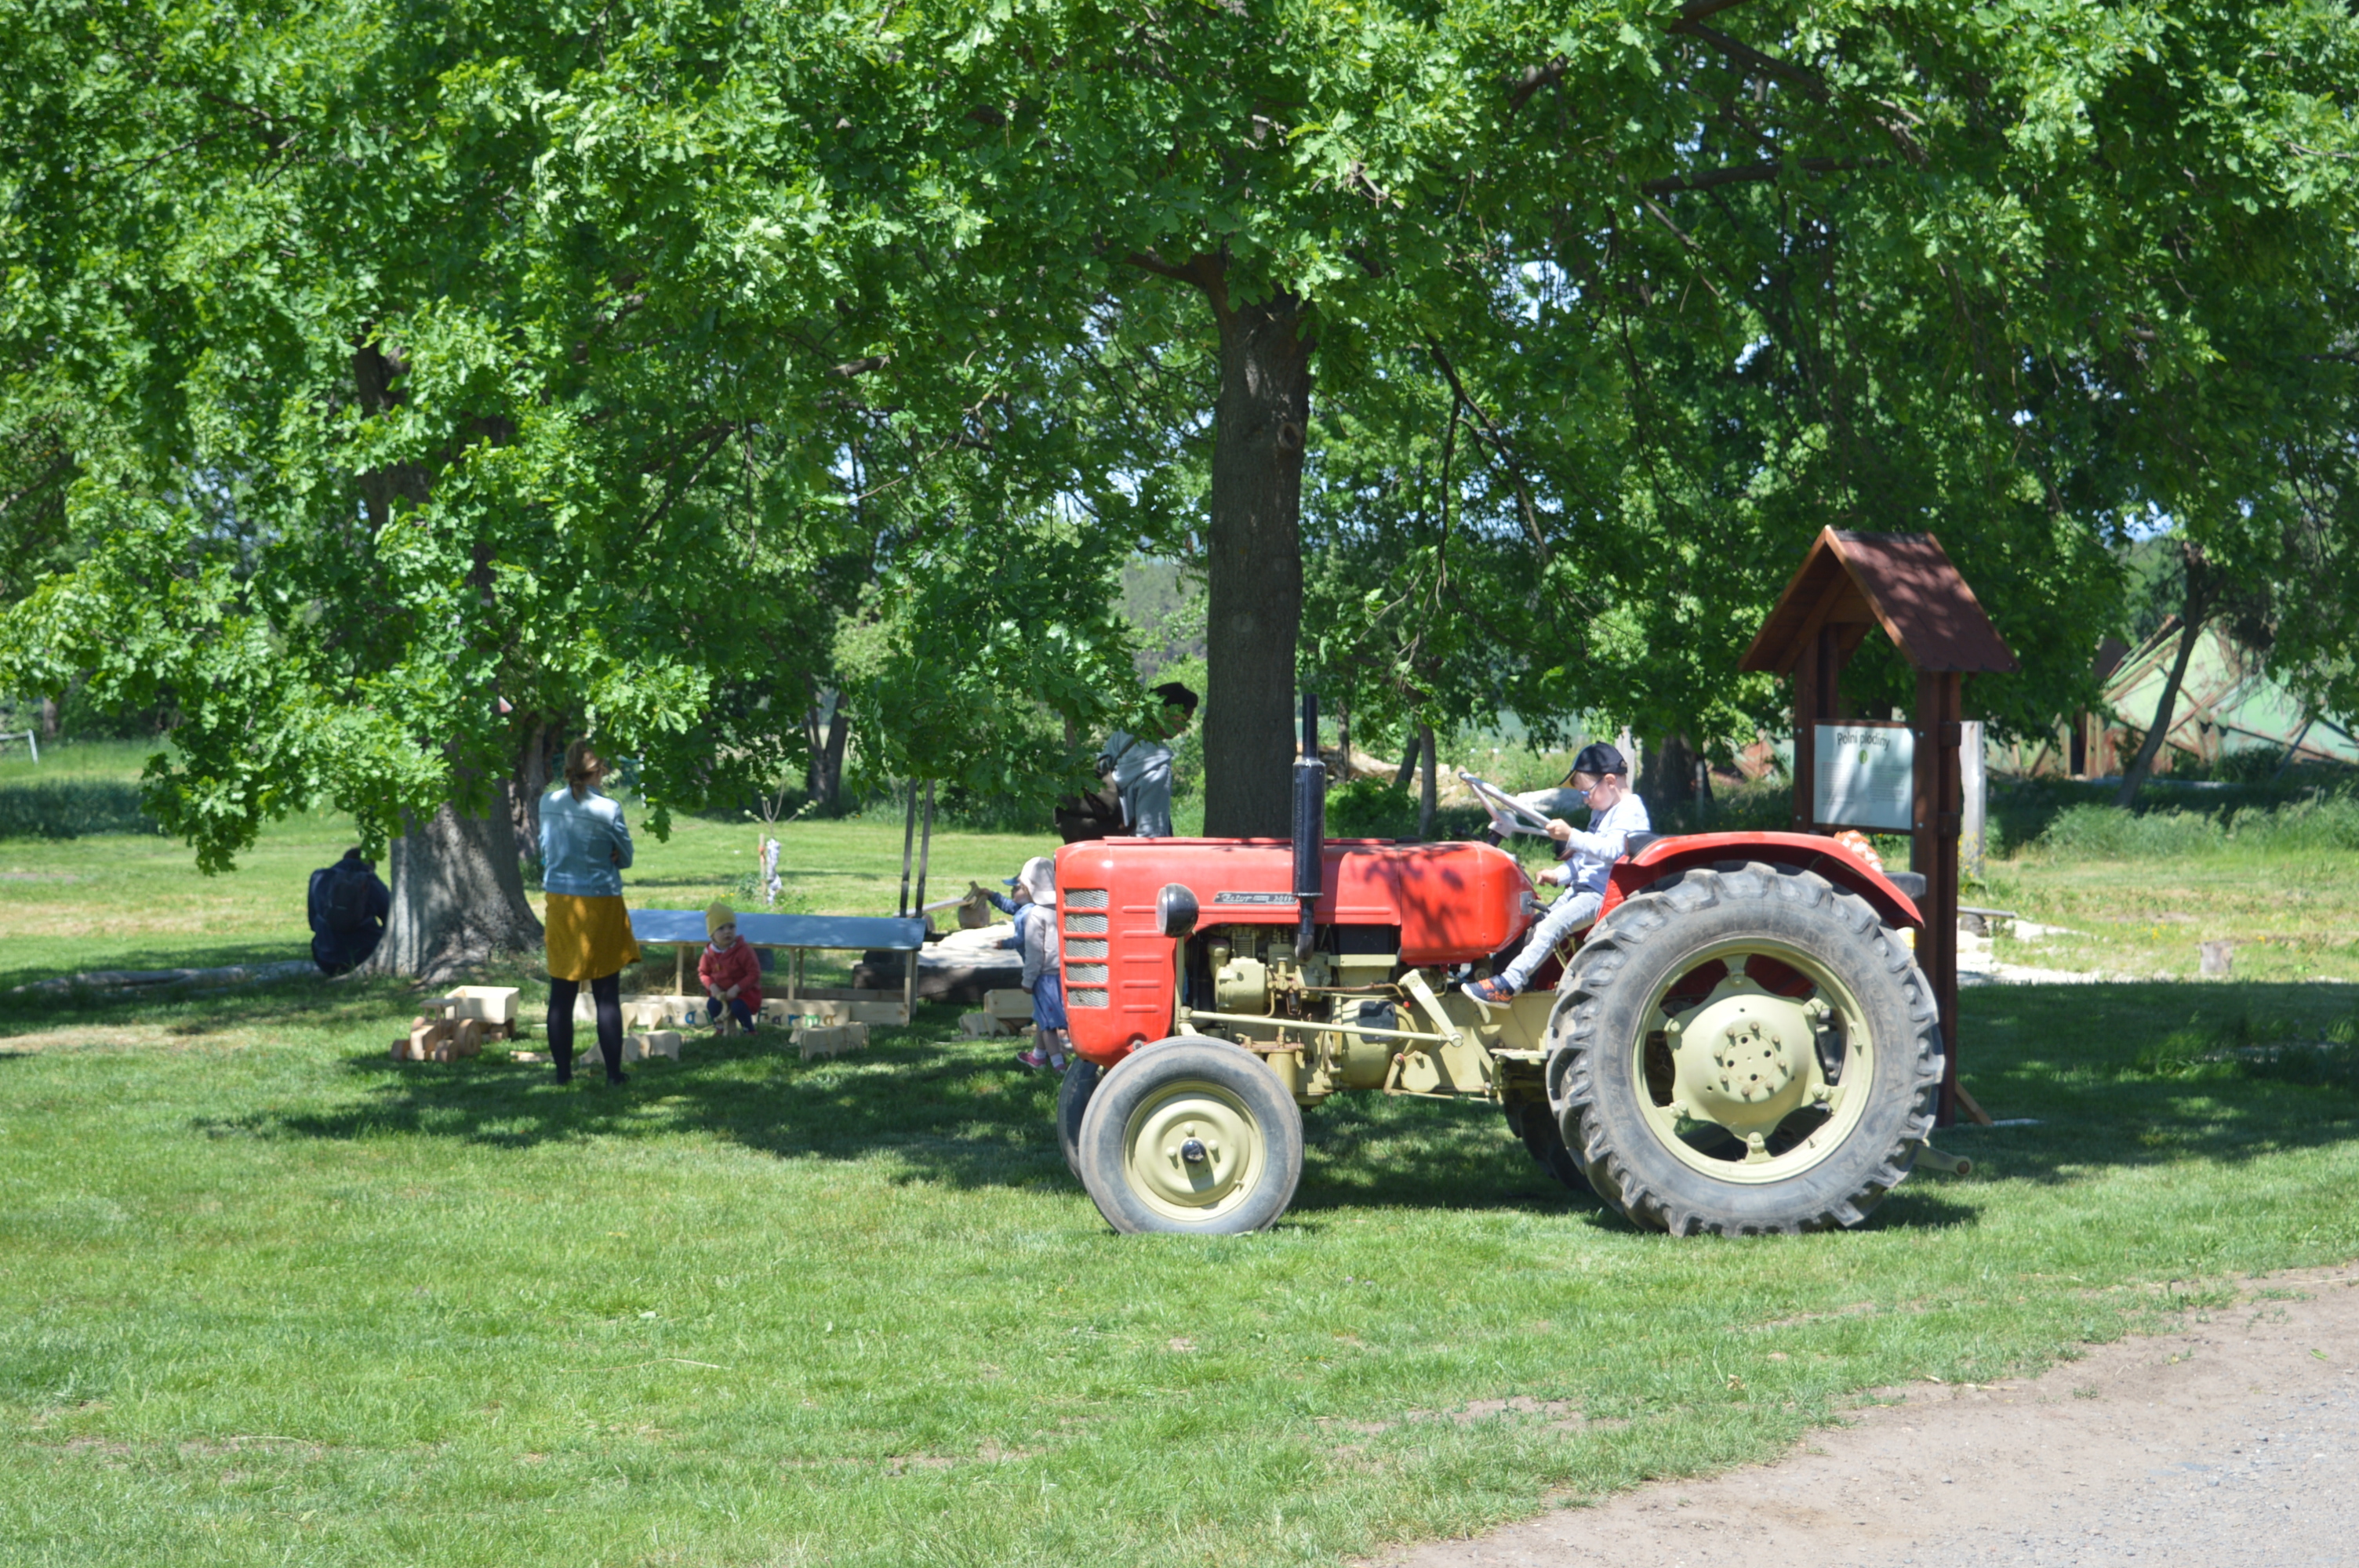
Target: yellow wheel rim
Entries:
(1193, 1151)
(1749, 1097)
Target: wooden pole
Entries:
(1933, 854)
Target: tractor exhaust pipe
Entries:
(1310, 827)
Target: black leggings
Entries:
(606, 997)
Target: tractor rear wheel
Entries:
(1073, 1091)
(1190, 1136)
(1745, 1049)
(1536, 1126)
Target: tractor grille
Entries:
(1084, 898)
(1085, 997)
(1085, 974)
(1085, 925)
(1086, 948)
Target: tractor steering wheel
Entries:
(1508, 815)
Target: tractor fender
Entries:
(1805, 851)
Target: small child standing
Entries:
(1036, 934)
(731, 973)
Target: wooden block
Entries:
(977, 1025)
(1009, 1004)
(834, 1009)
(487, 1004)
(427, 1036)
(830, 1040)
(655, 1042)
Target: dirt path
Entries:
(2233, 1443)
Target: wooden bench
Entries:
(796, 934)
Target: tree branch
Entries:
(1741, 173)
(1753, 59)
(1497, 440)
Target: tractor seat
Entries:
(1910, 882)
(1634, 843)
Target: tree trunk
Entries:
(1429, 797)
(827, 767)
(458, 898)
(1253, 570)
(1409, 765)
(1669, 779)
(525, 790)
(2151, 747)
(2200, 594)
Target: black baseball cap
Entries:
(1598, 759)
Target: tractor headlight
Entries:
(1175, 911)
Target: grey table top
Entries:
(784, 930)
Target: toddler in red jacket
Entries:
(731, 973)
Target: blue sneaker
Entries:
(1493, 992)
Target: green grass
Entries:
(267, 1296)
(2292, 915)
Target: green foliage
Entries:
(394, 390)
(1370, 808)
(2095, 832)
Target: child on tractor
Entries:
(1603, 778)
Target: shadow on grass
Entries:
(962, 1112)
(179, 955)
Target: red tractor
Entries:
(1742, 1043)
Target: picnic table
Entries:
(795, 935)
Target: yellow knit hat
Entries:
(717, 916)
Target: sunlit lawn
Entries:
(2290, 917)
(266, 1296)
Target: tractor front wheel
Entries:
(1745, 1049)
(1190, 1136)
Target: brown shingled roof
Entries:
(1903, 583)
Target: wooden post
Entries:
(1974, 777)
(1806, 751)
(1933, 854)
(679, 969)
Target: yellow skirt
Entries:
(588, 938)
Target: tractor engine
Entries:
(1385, 911)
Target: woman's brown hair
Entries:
(582, 766)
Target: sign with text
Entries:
(1866, 776)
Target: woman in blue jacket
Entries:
(584, 848)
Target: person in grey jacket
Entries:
(1140, 766)
(1036, 921)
